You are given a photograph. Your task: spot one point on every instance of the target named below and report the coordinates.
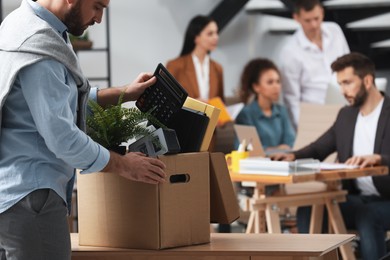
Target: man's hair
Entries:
(361, 64)
(306, 5)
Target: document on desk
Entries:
(336, 166)
(254, 165)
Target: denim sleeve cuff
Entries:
(100, 162)
(93, 94)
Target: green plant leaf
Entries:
(116, 124)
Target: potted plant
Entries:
(116, 124)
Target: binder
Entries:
(190, 126)
(211, 112)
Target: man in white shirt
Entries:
(360, 136)
(305, 59)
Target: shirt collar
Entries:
(196, 59)
(257, 110)
(304, 41)
(50, 18)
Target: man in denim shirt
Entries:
(43, 98)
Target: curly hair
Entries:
(251, 74)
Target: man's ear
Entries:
(368, 81)
(295, 16)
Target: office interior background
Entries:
(145, 33)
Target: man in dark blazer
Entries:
(360, 136)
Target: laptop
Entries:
(249, 134)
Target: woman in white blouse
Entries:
(201, 76)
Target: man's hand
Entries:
(136, 167)
(138, 86)
(282, 157)
(365, 160)
(110, 96)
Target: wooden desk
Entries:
(229, 247)
(330, 198)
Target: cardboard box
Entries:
(224, 207)
(116, 212)
(212, 112)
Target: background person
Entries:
(261, 79)
(43, 98)
(360, 136)
(200, 75)
(305, 59)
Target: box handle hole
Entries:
(179, 178)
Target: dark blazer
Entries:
(183, 69)
(339, 138)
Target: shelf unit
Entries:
(106, 50)
(1, 11)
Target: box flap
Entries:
(224, 208)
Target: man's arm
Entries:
(319, 149)
(109, 96)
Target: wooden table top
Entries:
(324, 175)
(236, 244)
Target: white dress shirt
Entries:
(202, 71)
(363, 144)
(305, 68)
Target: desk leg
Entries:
(256, 222)
(317, 215)
(251, 222)
(272, 220)
(336, 220)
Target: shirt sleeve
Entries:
(290, 71)
(342, 39)
(51, 96)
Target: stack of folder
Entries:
(264, 166)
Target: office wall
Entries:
(143, 36)
(144, 33)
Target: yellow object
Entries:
(212, 112)
(224, 117)
(233, 160)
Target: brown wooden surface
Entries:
(270, 206)
(321, 176)
(271, 179)
(237, 245)
(351, 173)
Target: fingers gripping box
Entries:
(116, 212)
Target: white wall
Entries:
(144, 33)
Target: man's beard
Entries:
(360, 97)
(73, 20)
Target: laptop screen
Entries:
(249, 134)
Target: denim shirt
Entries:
(273, 130)
(40, 144)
